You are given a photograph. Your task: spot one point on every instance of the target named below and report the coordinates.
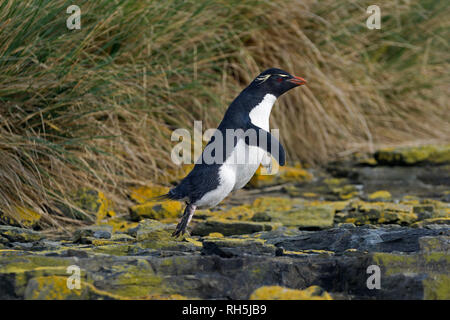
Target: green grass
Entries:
(96, 107)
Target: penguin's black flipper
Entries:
(256, 136)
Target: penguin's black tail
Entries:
(171, 195)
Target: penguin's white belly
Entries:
(246, 169)
(237, 170)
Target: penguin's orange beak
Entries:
(297, 80)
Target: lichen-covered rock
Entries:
(433, 244)
(426, 273)
(230, 247)
(275, 203)
(156, 210)
(431, 221)
(92, 203)
(149, 208)
(119, 224)
(281, 293)
(285, 174)
(380, 195)
(52, 288)
(243, 212)
(86, 234)
(340, 188)
(360, 213)
(16, 270)
(152, 234)
(230, 227)
(414, 155)
(21, 217)
(144, 194)
(294, 213)
(402, 239)
(15, 234)
(149, 229)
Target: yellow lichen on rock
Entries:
(156, 210)
(340, 187)
(310, 194)
(136, 281)
(52, 288)
(294, 212)
(146, 193)
(437, 287)
(94, 202)
(242, 212)
(260, 179)
(413, 155)
(361, 213)
(193, 241)
(21, 216)
(282, 175)
(105, 209)
(431, 221)
(215, 235)
(282, 293)
(119, 224)
(274, 203)
(295, 174)
(345, 192)
(382, 195)
(147, 207)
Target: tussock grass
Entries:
(96, 107)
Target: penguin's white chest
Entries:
(250, 157)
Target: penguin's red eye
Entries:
(280, 79)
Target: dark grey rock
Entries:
(402, 239)
(15, 234)
(83, 235)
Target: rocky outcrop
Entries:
(323, 237)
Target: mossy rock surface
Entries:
(361, 213)
(230, 247)
(281, 293)
(280, 175)
(156, 210)
(305, 216)
(231, 227)
(21, 217)
(414, 155)
(15, 234)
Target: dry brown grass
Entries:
(366, 88)
(95, 108)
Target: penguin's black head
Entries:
(275, 81)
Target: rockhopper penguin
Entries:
(235, 163)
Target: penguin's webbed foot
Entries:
(185, 219)
(180, 229)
